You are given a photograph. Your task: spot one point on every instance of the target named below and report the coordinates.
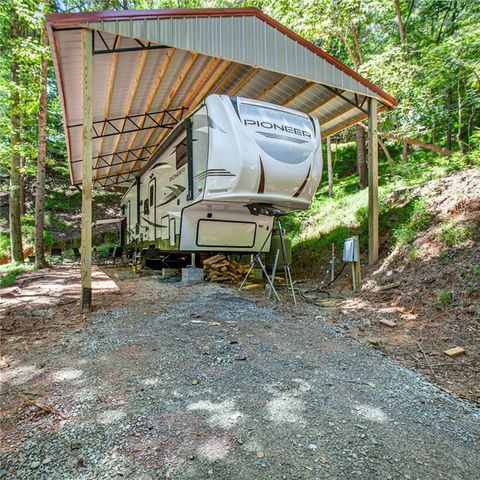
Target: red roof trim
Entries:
(57, 19)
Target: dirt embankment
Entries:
(429, 289)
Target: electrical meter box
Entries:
(350, 250)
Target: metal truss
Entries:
(139, 154)
(135, 123)
(357, 103)
(115, 179)
(114, 48)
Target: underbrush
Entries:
(331, 220)
(10, 272)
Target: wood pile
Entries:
(220, 269)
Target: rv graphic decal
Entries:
(276, 126)
(214, 172)
(176, 192)
(302, 186)
(284, 138)
(175, 175)
(261, 183)
(153, 224)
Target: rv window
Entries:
(146, 210)
(152, 194)
(181, 154)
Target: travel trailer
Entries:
(221, 176)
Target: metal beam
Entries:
(149, 149)
(356, 103)
(134, 123)
(86, 223)
(115, 47)
(121, 177)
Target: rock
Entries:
(312, 446)
(260, 454)
(454, 352)
(195, 381)
(240, 358)
(388, 323)
(34, 465)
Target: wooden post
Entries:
(356, 266)
(329, 166)
(86, 225)
(372, 182)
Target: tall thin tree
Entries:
(42, 155)
(15, 207)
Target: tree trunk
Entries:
(361, 157)
(349, 50)
(357, 44)
(42, 154)
(23, 202)
(384, 148)
(448, 143)
(401, 29)
(411, 141)
(459, 131)
(14, 202)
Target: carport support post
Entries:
(329, 166)
(372, 182)
(86, 225)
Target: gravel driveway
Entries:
(201, 382)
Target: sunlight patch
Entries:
(285, 409)
(222, 414)
(110, 416)
(371, 413)
(67, 374)
(149, 382)
(19, 374)
(214, 448)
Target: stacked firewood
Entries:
(220, 269)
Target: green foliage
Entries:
(476, 271)
(4, 243)
(63, 201)
(103, 248)
(442, 257)
(412, 219)
(444, 297)
(454, 235)
(10, 271)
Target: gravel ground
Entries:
(198, 382)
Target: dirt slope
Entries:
(431, 288)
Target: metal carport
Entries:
(126, 77)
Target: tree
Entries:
(42, 155)
(15, 206)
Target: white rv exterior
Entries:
(215, 182)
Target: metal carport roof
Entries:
(151, 68)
